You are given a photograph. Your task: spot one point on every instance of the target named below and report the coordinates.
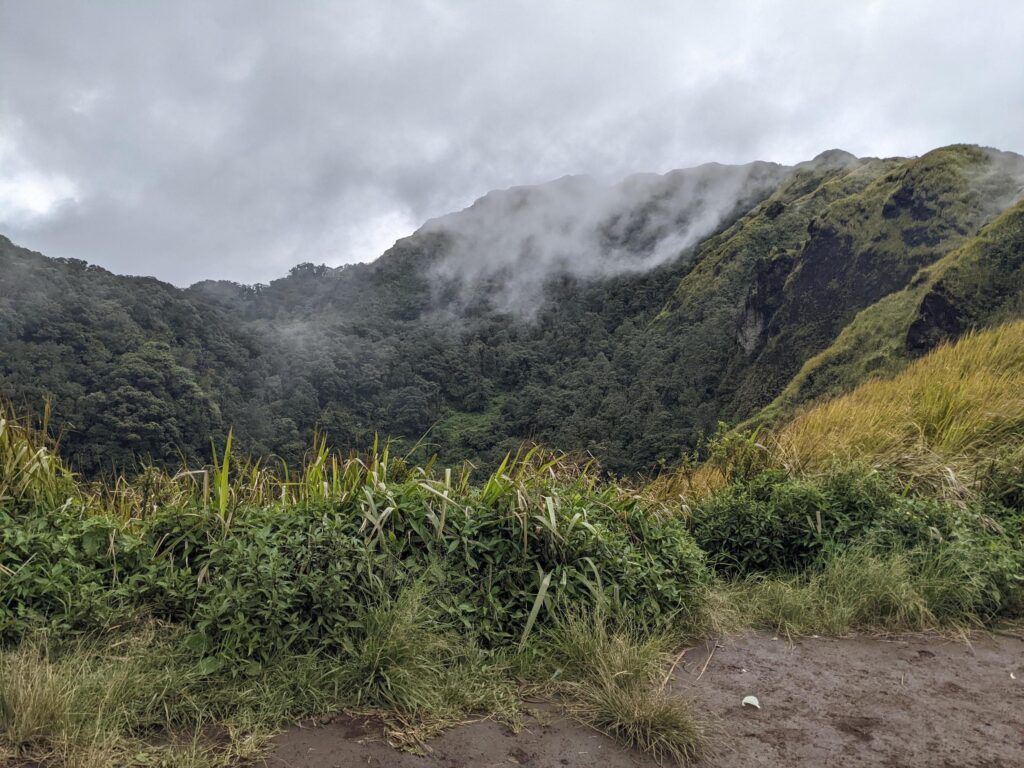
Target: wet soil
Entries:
(863, 701)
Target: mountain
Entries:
(624, 320)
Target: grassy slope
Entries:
(951, 423)
(952, 412)
(895, 505)
(976, 285)
(781, 284)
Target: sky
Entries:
(233, 139)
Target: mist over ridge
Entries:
(511, 243)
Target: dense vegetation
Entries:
(177, 619)
(842, 269)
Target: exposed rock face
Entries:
(765, 297)
(938, 320)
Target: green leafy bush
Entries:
(968, 580)
(298, 580)
(64, 572)
(774, 522)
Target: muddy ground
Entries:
(866, 701)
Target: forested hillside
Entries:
(622, 320)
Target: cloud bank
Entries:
(511, 244)
(195, 140)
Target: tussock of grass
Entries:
(397, 657)
(642, 717)
(613, 681)
(878, 595)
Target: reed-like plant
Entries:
(31, 471)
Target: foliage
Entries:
(361, 583)
(774, 522)
(295, 574)
(30, 471)
(961, 583)
(246, 593)
(296, 581)
(64, 572)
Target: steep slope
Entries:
(862, 248)
(952, 419)
(977, 285)
(780, 285)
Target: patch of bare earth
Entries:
(865, 701)
(862, 701)
(547, 743)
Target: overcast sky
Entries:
(193, 140)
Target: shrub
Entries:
(977, 572)
(775, 522)
(64, 572)
(966, 580)
(297, 580)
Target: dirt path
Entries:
(865, 701)
(852, 702)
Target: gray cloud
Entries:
(233, 139)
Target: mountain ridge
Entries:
(763, 269)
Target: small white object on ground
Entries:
(751, 701)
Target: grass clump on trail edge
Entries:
(614, 678)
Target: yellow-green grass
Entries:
(940, 421)
(946, 423)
